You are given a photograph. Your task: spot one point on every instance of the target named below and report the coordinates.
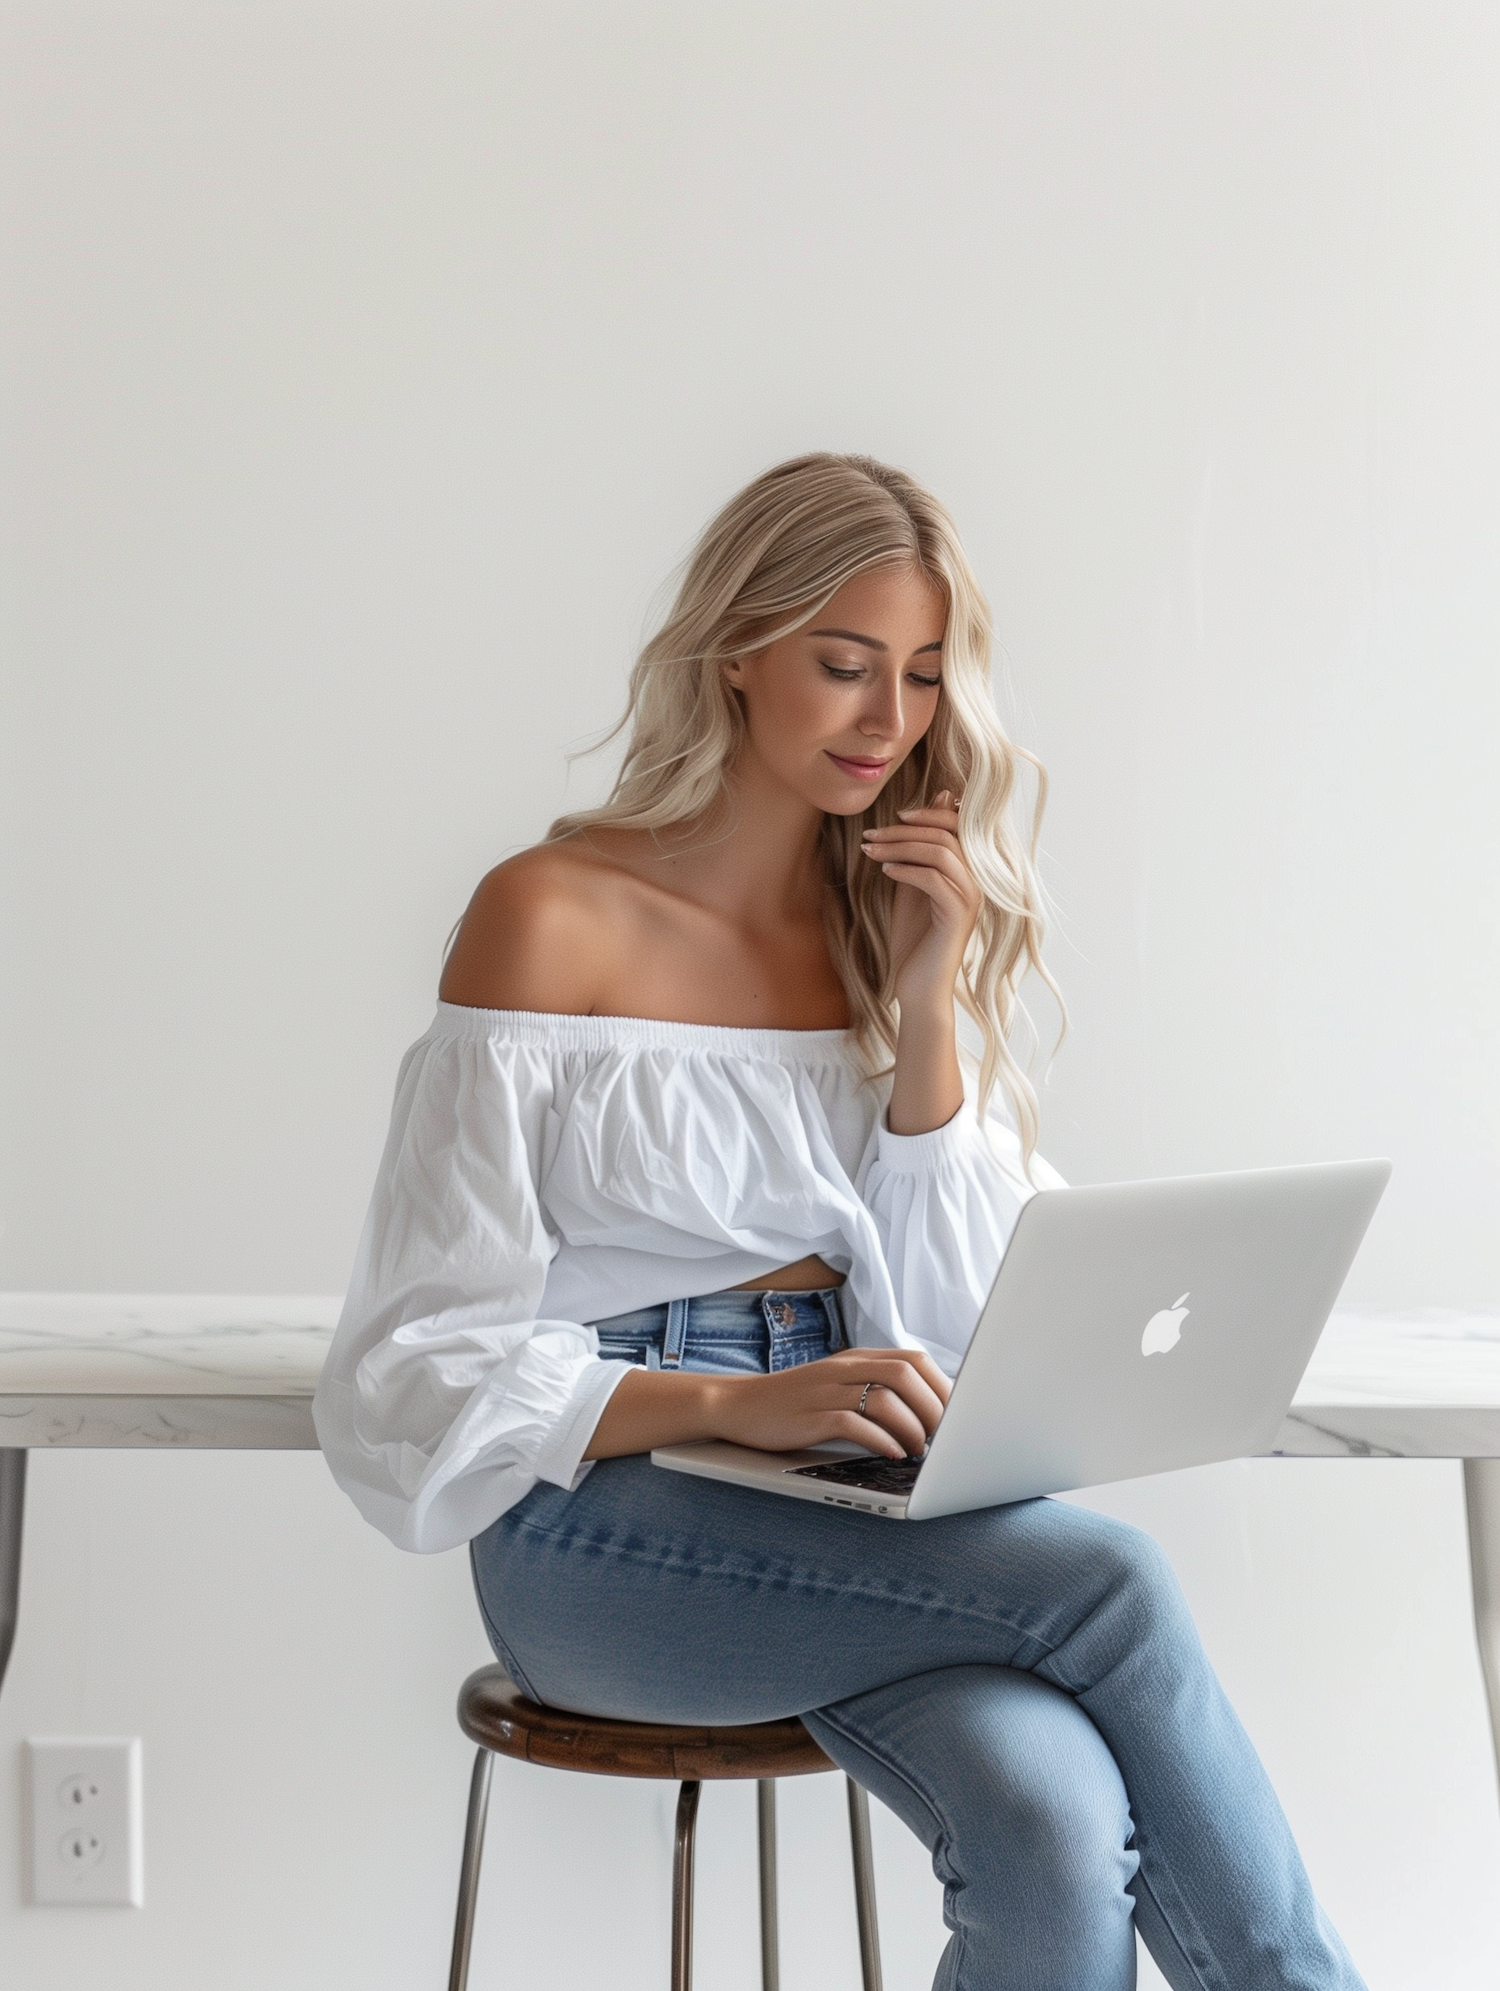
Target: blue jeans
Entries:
(1023, 1686)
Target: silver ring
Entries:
(864, 1393)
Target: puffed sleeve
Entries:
(945, 1204)
(444, 1398)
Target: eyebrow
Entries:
(872, 642)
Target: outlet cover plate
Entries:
(84, 1818)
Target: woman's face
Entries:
(832, 710)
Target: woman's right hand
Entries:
(903, 1392)
(902, 1389)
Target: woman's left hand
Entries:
(937, 902)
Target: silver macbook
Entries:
(1132, 1328)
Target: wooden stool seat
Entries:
(493, 1712)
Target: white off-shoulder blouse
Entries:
(543, 1172)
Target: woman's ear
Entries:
(733, 671)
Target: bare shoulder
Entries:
(541, 932)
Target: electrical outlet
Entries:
(85, 1815)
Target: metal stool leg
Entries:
(770, 1945)
(12, 1508)
(682, 1887)
(468, 1876)
(864, 1887)
(1482, 1501)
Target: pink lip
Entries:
(862, 770)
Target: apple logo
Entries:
(1164, 1330)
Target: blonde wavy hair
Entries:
(763, 568)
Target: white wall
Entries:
(367, 370)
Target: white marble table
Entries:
(161, 1370)
(239, 1373)
(1417, 1385)
(1385, 1385)
(178, 1369)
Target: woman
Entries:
(699, 1046)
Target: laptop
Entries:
(1132, 1328)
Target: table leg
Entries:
(12, 1506)
(1482, 1502)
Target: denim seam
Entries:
(1169, 1924)
(1183, 1916)
(960, 1933)
(804, 1582)
(502, 1650)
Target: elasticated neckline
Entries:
(556, 1031)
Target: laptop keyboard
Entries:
(871, 1475)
